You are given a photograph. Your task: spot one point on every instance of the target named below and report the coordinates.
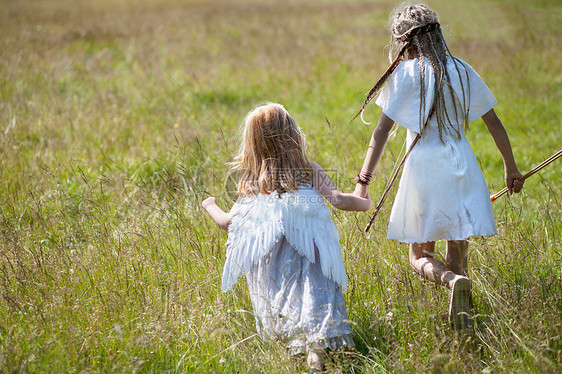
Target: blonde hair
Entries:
(415, 32)
(272, 155)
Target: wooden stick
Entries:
(387, 190)
(531, 172)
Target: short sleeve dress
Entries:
(442, 193)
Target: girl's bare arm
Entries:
(344, 201)
(221, 217)
(513, 180)
(375, 150)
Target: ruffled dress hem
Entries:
(299, 346)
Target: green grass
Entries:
(118, 118)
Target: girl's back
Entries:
(466, 94)
(281, 236)
(301, 218)
(442, 192)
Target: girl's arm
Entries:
(344, 201)
(374, 153)
(221, 217)
(513, 180)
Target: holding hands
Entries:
(361, 190)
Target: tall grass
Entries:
(117, 119)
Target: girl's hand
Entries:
(368, 201)
(217, 214)
(513, 182)
(361, 190)
(209, 202)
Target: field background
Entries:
(117, 118)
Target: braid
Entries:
(438, 62)
(447, 78)
(416, 28)
(380, 83)
(421, 66)
(437, 67)
(465, 104)
(406, 36)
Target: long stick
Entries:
(387, 190)
(533, 171)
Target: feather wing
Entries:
(261, 221)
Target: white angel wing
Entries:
(261, 221)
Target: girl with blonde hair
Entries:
(281, 235)
(442, 192)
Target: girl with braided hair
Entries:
(442, 193)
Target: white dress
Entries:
(288, 247)
(442, 192)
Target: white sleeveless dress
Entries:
(442, 193)
(288, 247)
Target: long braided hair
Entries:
(415, 32)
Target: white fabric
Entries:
(295, 303)
(442, 192)
(400, 97)
(260, 221)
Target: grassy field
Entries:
(117, 118)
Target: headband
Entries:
(417, 31)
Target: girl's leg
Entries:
(457, 255)
(315, 358)
(423, 262)
(459, 306)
